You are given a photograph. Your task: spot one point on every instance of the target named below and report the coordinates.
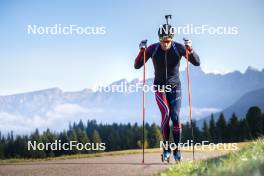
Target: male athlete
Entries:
(166, 56)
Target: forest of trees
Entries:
(128, 136)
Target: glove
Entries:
(188, 44)
(143, 44)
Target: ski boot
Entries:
(165, 156)
(177, 155)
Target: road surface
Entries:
(129, 164)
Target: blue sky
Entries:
(72, 63)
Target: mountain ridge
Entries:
(211, 93)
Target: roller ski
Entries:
(165, 156)
(177, 156)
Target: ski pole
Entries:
(143, 103)
(189, 93)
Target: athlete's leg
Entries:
(174, 98)
(165, 121)
(164, 109)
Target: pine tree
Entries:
(140, 141)
(128, 141)
(254, 120)
(81, 125)
(221, 128)
(96, 137)
(36, 153)
(263, 123)
(154, 136)
(186, 132)
(2, 143)
(64, 139)
(114, 142)
(20, 147)
(49, 137)
(91, 126)
(73, 137)
(212, 129)
(233, 129)
(243, 130)
(82, 138)
(206, 132)
(196, 133)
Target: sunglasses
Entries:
(165, 41)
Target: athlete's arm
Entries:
(140, 58)
(193, 56)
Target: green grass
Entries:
(247, 161)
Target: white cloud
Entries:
(197, 112)
(66, 109)
(57, 119)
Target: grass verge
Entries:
(247, 161)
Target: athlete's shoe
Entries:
(165, 156)
(177, 155)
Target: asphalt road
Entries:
(129, 164)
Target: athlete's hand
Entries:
(143, 44)
(188, 44)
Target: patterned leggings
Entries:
(169, 104)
